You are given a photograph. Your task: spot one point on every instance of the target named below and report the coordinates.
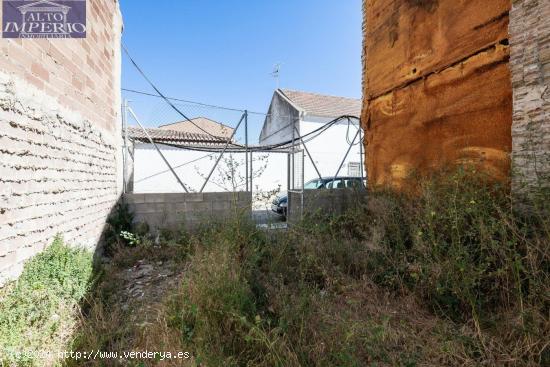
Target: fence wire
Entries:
(263, 173)
(235, 153)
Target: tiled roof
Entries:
(322, 105)
(206, 124)
(172, 137)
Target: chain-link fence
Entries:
(201, 147)
(208, 148)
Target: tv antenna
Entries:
(276, 73)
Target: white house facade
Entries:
(294, 114)
(190, 155)
(291, 115)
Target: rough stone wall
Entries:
(530, 65)
(170, 211)
(437, 87)
(60, 160)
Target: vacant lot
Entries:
(451, 274)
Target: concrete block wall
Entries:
(324, 202)
(530, 66)
(171, 210)
(60, 140)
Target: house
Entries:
(293, 114)
(192, 151)
(191, 155)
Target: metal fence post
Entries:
(361, 158)
(310, 157)
(293, 161)
(303, 183)
(246, 146)
(288, 187)
(346, 156)
(222, 153)
(125, 146)
(158, 150)
(251, 172)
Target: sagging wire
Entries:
(134, 91)
(166, 99)
(186, 101)
(347, 134)
(264, 148)
(176, 167)
(237, 148)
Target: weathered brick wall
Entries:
(530, 66)
(80, 73)
(60, 161)
(171, 211)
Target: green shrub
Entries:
(119, 224)
(259, 300)
(37, 310)
(219, 310)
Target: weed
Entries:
(464, 249)
(450, 274)
(118, 224)
(41, 306)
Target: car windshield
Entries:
(311, 185)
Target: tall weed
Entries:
(38, 311)
(460, 244)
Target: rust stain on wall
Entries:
(437, 87)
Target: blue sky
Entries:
(221, 52)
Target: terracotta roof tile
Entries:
(322, 105)
(172, 136)
(206, 124)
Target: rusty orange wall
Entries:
(437, 87)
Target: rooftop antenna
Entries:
(276, 72)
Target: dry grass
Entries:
(452, 275)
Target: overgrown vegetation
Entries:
(39, 311)
(464, 249)
(118, 229)
(451, 274)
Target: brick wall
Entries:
(60, 160)
(170, 211)
(530, 66)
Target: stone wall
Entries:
(172, 210)
(530, 65)
(436, 87)
(60, 160)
